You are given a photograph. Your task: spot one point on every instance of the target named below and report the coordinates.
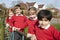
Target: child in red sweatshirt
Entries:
(32, 19)
(44, 30)
(18, 21)
(8, 22)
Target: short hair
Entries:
(44, 14)
(33, 8)
(17, 6)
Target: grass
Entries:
(1, 31)
(57, 26)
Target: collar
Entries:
(10, 17)
(45, 27)
(19, 15)
(35, 18)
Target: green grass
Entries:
(1, 31)
(57, 26)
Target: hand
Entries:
(33, 37)
(14, 29)
(18, 29)
(7, 25)
(29, 35)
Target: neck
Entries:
(45, 27)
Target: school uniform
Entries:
(8, 23)
(18, 22)
(31, 23)
(48, 33)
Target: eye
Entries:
(40, 20)
(46, 20)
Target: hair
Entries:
(33, 8)
(17, 6)
(44, 14)
(7, 11)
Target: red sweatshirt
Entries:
(30, 24)
(47, 34)
(9, 22)
(19, 21)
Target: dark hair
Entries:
(17, 6)
(44, 14)
(33, 8)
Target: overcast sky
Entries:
(55, 3)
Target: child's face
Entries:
(32, 12)
(11, 14)
(44, 22)
(18, 11)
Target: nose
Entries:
(43, 22)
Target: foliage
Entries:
(57, 26)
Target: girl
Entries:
(32, 19)
(8, 22)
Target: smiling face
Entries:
(18, 10)
(10, 13)
(44, 22)
(32, 12)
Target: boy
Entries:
(18, 22)
(44, 30)
(18, 19)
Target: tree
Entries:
(2, 21)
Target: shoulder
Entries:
(24, 16)
(53, 28)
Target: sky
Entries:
(55, 3)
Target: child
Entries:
(18, 21)
(32, 19)
(44, 30)
(9, 20)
